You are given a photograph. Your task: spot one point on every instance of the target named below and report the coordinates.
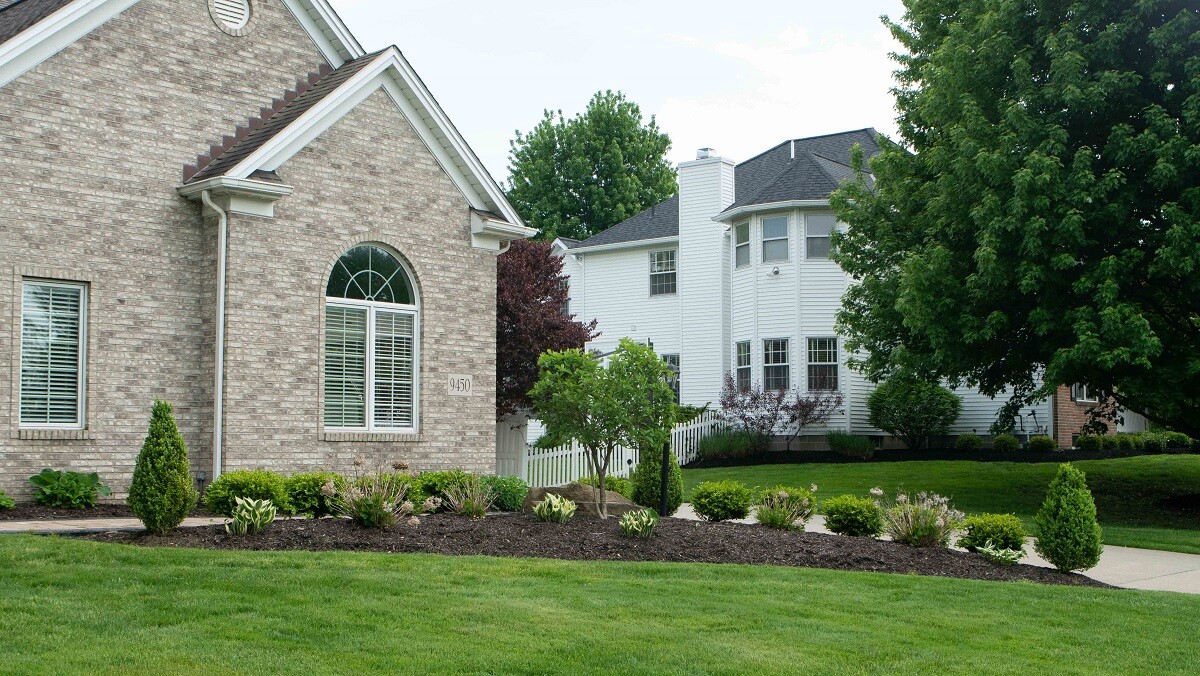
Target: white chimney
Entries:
(704, 153)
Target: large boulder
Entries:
(584, 497)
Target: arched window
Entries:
(371, 343)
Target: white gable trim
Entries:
(620, 246)
(732, 214)
(62, 28)
(55, 33)
(389, 71)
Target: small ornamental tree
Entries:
(626, 403)
(913, 410)
(162, 493)
(530, 295)
(1068, 534)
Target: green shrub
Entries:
(6, 502)
(1006, 443)
(639, 523)
(1068, 535)
(434, 484)
(1154, 443)
(647, 482)
(731, 444)
(554, 509)
(1005, 531)
(1109, 443)
(969, 443)
(508, 492)
(307, 493)
(722, 500)
(1000, 555)
(250, 516)
(1089, 442)
(63, 489)
(257, 484)
(852, 515)
(1126, 443)
(1177, 440)
(913, 410)
(784, 507)
(471, 497)
(926, 520)
(162, 493)
(612, 483)
(1042, 443)
(851, 445)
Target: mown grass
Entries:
(1131, 494)
(81, 607)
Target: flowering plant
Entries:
(927, 520)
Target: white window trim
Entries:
(807, 251)
(369, 416)
(749, 368)
(650, 272)
(763, 239)
(787, 354)
(81, 384)
(836, 363)
(1091, 398)
(736, 246)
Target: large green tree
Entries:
(577, 177)
(1041, 214)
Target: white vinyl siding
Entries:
(370, 367)
(775, 239)
(741, 249)
(776, 364)
(822, 364)
(53, 327)
(818, 229)
(662, 272)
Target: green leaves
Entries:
(70, 490)
(162, 493)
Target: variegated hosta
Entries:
(1004, 557)
(639, 523)
(555, 509)
(250, 516)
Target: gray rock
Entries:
(584, 498)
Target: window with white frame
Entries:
(53, 351)
(819, 227)
(822, 364)
(1082, 393)
(776, 364)
(371, 343)
(775, 239)
(741, 244)
(662, 272)
(673, 361)
(565, 308)
(742, 371)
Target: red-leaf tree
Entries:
(530, 296)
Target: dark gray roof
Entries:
(660, 220)
(569, 243)
(17, 15)
(820, 165)
(276, 119)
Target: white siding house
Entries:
(754, 293)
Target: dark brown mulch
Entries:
(586, 539)
(105, 510)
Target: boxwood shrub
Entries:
(1154, 443)
(1177, 440)
(852, 515)
(306, 493)
(1089, 442)
(258, 484)
(722, 500)
(1042, 443)
(508, 492)
(968, 443)
(1006, 443)
(1005, 531)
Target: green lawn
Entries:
(1129, 492)
(80, 607)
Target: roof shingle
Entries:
(660, 220)
(18, 15)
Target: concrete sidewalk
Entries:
(1119, 566)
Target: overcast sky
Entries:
(737, 76)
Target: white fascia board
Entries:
(337, 44)
(492, 233)
(238, 195)
(55, 33)
(386, 72)
(729, 216)
(618, 246)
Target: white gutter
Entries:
(219, 364)
(617, 246)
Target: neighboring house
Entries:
(229, 205)
(732, 276)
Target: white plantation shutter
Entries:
(52, 321)
(345, 366)
(393, 369)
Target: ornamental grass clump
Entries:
(250, 516)
(373, 500)
(853, 515)
(639, 523)
(470, 497)
(1068, 534)
(554, 509)
(722, 500)
(926, 520)
(162, 493)
(785, 507)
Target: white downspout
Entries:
(219, 364)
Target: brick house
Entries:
(230, 205)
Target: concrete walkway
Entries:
(1119, 566)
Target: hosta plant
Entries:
(470, 497)
(73, 490)
(639, 523)
(250, 516)
(785, 508)
(927, 520)
(1000, 555)
(6, 502)
(555, 509)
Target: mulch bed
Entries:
(588, 539)
(104, 510)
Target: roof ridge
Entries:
(806, 138)
(264, 114)
(822, 169)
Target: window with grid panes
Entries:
(662, 272)
(742, 373)
(822, 364)
(776, 365)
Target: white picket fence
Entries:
(563, 464)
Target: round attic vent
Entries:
(231, 16)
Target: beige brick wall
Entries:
(92, 144)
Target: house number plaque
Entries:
(461, 385)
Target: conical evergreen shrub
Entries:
(647, 482)
(1068, 534)
(162, 493)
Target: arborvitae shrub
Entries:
(162, 493)
(647, 481)
(1067, 531)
